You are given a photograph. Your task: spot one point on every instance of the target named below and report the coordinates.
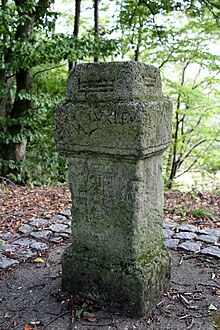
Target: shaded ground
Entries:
(20, 204)
(200, 209)
(30, 298)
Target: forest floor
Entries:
(31, 296)
(21, 204)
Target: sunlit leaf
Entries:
(39, 260)
(29, 327)
(89, 317)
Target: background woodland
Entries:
(41, 41)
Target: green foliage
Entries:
(46, 165)
(201, 213)
(177, 36)
(29, 44)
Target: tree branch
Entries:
(189, 168)
(44, 70)
(167, 59)
(193, 163)
(209, 5)
(191, 149)
(153, 13)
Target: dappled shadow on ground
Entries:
(200, 209)
(21, 204)
(31, 298)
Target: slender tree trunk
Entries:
(5, 80)
(14, 150)
(176, 161)
(137, 50)
(96, 24)
(76, 26)
(6, 83)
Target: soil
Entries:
(31, 296)
(31, 299)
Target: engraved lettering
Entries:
(88, 123)
(95, 86)
(150, 82)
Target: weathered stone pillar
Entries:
(114, 128)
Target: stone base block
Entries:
(130, 287)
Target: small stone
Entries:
(209, 231)
(68, 231)
(66, 213)
(8, 236)
(172, 243)
(39, 246)
(58, 228)
(24, 241)
(190, 246)
(9, 248)
(177, 218)
(56, 239)
(208, 238)
(25, 229)
(168, 233)
(27, 254)
(185, 235)
(59, 218)
(191, 228)
(8, 263)
(169, 225)
(39, 222)
(44, 234)
(64, 235)
(211, 251)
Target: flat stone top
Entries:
(114, 109)
(116, 81)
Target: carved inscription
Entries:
(149, 82)
(96, 189)
(91, 86)
(88, 122)
(111, 117)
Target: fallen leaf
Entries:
(89, 317)
(78, 313)
(29, 327)
(15, 324)
(39, 260)
(217, 292)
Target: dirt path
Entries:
(31, 293)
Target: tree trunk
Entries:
(76, 26)
(176, 160)
(13, 149)
(96, 24)
(137, 50)
(5, 77)
(6, 83)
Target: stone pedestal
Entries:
(114, 128)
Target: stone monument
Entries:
(114, 127)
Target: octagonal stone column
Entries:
(114, 127)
